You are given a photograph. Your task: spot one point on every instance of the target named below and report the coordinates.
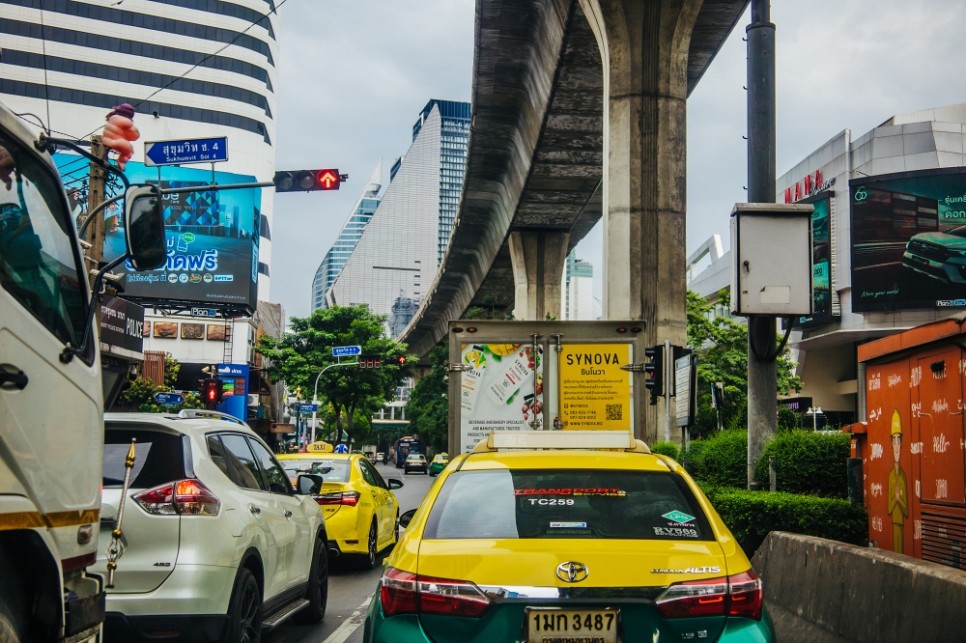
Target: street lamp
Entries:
(814, 412)
(315, 391)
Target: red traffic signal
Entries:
(211, 391)
(308, 180)
(397, 361)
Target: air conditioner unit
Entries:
(252, 399)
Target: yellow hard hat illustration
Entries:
(896, 423)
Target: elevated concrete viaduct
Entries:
(565, 93)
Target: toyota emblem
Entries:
(571, 572)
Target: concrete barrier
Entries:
(825, 591)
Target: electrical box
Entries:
(771, 247)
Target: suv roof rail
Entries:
(599, 440)
(210, 415)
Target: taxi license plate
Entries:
(578, 626)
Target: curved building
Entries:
(193, 69)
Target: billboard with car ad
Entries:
(909, 240)
(822, 312)
(212, 237)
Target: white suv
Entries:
(215, 544)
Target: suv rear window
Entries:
(567, 503)
(159, 457)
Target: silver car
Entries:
(215, 544)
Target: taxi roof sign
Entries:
(501, 440)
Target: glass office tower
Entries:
(345, 244)
(396, 259)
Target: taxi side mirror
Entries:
(394, 483)
(406, 518)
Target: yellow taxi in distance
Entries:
(440, 460)
(545, 536)
(361, 511)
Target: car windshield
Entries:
(567, 504)
(330, 470)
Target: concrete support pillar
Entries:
(538, 259)
(644, 49)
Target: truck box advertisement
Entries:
(525, 376)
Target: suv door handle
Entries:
(255, 510)
(18, 379)
(287, 513)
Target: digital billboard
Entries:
(821, 261)
(212, 237)
(909, 240)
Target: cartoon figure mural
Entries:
(898, 488)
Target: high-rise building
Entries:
(341, 250)
(578, 290)
(397, 257)
(192, 71)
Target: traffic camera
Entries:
(308, 180)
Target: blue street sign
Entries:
(196, 150)
(346, 351)
(168, 398)
(308, 408)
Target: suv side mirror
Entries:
(309, 483)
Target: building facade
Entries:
(192, 71)
(578, 302)
(888, 246)
(396, 259)
(345, 244)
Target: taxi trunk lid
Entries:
(517, 574)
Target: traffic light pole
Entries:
(315, 392)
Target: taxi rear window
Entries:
(330, 470)
(608, 504)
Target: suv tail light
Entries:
(403, 592)
(347, 498)
(738, 595)
(184, 497)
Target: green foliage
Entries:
(428, 406)
(670, 449)
(301, 358)
(751, 515)
(139, 396)
(807, 462)
(721, 344)
(721, 459)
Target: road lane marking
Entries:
(350, 625)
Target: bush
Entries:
(751, 515)
(807, 462)
(669, 449)
(721, 459)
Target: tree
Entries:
(139, 393)
(428, 406)
(299, 357)
(721, 344)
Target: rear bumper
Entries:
(120, 628)
(189, 591)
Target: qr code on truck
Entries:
(614, 411)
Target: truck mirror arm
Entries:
(69, 352)
(48, 144)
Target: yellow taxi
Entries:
(549, 536)
(360, 508)
(440, 460)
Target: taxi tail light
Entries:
(404, 592)
(184, 497)
(346, 498)
(737, 595)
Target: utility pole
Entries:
(762, 373)
(95, 197)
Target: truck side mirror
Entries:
(144, 227)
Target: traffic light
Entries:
(654, 371)
(397, 361)
(308, 180)
(211, 392)
(370, 361)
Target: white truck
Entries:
(544, 375)
(51, 398)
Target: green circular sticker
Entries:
(188, 237)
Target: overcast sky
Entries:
(354, 75)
